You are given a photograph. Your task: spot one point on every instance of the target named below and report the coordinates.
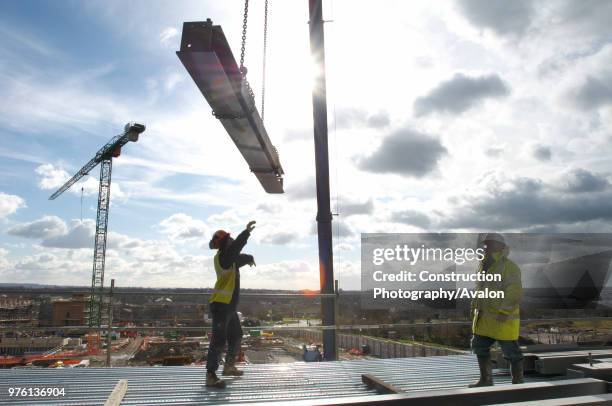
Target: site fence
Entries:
(353, 335)
(109, 293)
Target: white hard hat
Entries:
(494, 237)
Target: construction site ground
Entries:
(119, 357)
(257, 350)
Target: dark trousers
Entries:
(510, 348)
(225, 328)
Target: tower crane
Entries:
(104, 157)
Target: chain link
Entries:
(265, 47)
(244, 33)
(243, 69)
(232, 115)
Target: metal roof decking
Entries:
(261, 382)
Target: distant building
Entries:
(29, 345)
(18, 312)
(165, 312)
(69, 312)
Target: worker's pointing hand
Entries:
(250, 226)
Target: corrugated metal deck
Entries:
(261, 382)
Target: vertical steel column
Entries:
(97, 276)
(109, 330)
(324, 216)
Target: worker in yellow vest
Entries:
(224, 302)
(497, 319)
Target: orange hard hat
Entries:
(217, 238)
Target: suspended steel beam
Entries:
(324, 216)
(208, 58)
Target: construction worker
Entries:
(497, 319)
(224, 301)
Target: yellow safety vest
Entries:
(226, 282)
(499, 318)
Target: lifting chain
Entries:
(243, 69)
(263, 75)
(244, 33)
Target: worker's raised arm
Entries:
(231, 256)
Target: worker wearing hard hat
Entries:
(224, 301)
(497, 319)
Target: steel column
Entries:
(110, 324)
(324, 216)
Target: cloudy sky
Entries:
(468, 115)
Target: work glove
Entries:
(250, 226)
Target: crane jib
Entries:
(111, 149)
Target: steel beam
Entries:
(476, 396)
(598, 370)
(557, 363)
(379, 385)
(208, 58)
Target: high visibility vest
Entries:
(226, 282)
(499, 318)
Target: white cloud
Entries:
(503, 202)
(227, 220)
(167, 35)
(503, 17)
(172, 80)
(461, 93)
(53, 232)
(132, 261)
(343, 247)
(30, 101)
(274, 275)
(348, 274)
(551, 57)
(280, 238)
(27, 40)
(51, 177)
(9, 204)
(79, 235)
(405, 152)
(45, 227)
(542, 152)
(181, 226)
(4, 262)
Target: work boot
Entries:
(231, 370)
(516, 370)
(212, 380)
(486, 373)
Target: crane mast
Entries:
(104, 157)
(97, 275)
